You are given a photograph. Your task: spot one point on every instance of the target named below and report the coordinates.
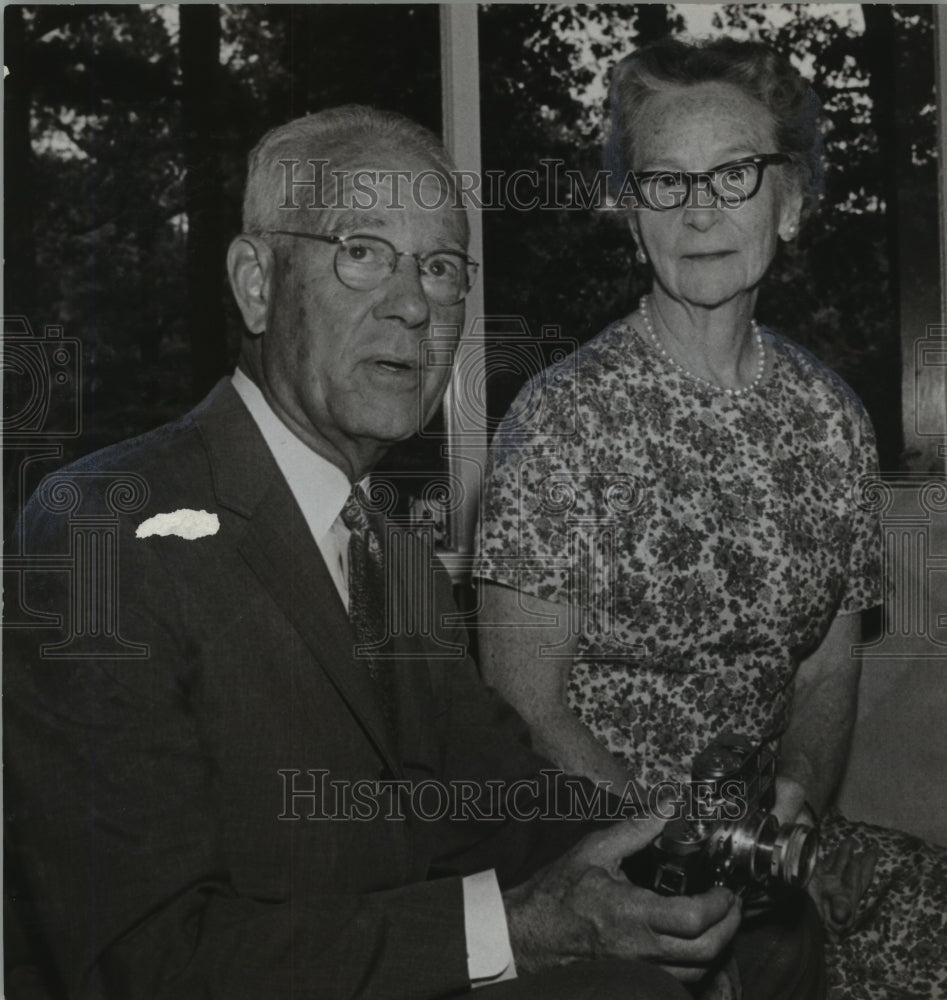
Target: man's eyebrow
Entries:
(354, 222)
(449, 244)
(351, 222)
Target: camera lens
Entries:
(794, 854)
(758, 849)
(742, 852)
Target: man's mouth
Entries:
(708, 255)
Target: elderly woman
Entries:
(681, 540)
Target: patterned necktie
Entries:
(368, 595)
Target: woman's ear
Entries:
(250, 269)
(790, 214)
(641, 255)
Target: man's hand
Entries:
(583, 907)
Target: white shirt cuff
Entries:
(489, 954)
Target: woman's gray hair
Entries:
(334, 135)
(753, 67)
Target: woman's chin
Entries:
(710, 294)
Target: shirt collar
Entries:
(319, 487)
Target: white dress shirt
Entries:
(321, 489)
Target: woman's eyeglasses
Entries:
(728, 185)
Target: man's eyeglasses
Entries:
(364, 262)
(727, 185)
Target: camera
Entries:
(728, 835)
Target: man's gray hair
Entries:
(333, 135)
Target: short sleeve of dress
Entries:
(543, 496)
(522, 536)
(864, 586)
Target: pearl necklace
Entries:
(749, 387)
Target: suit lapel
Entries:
(284, 556)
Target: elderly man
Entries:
(220, 804)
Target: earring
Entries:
(641, 256)
(791, 230)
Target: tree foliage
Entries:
(102, 125)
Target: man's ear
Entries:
(250, 269)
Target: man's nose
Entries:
(404, 297)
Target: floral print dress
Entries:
(704, 541)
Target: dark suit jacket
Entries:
(145, 792)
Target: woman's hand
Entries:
(838, 885)
(790, 805)
(840, 880)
